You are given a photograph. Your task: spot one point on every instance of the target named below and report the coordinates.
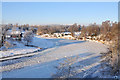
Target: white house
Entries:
(58, 35)
(45, 35)
(14, 34)
(67, 35)
(77, 34)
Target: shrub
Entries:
(112, 59)
(7, 44)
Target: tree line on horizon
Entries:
(107, 29)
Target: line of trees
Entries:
(108, 30)
(58, 29)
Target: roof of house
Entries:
(66, 32)
(12, 32)
(15, 32)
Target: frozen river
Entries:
(42, 65)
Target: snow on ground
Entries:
(42, 43)
(20, 48)
(43, 64)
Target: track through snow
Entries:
(43, 64)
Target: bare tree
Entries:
(105, 27)
(4, 30)
(28, 37)
(74, 28)
(112, 57)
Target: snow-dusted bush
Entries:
(111, 59)
(8, 44)
(28, 37)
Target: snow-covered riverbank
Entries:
(20, 48)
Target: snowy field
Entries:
(43, 64)
(42, 43)
(20, 48)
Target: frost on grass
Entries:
(67, 68)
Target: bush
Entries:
(111, 59)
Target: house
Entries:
(8, 34)
(67, 35)
(14, 34)
(77, 34)
(88, 37)
(45, 35)
(58, 35)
